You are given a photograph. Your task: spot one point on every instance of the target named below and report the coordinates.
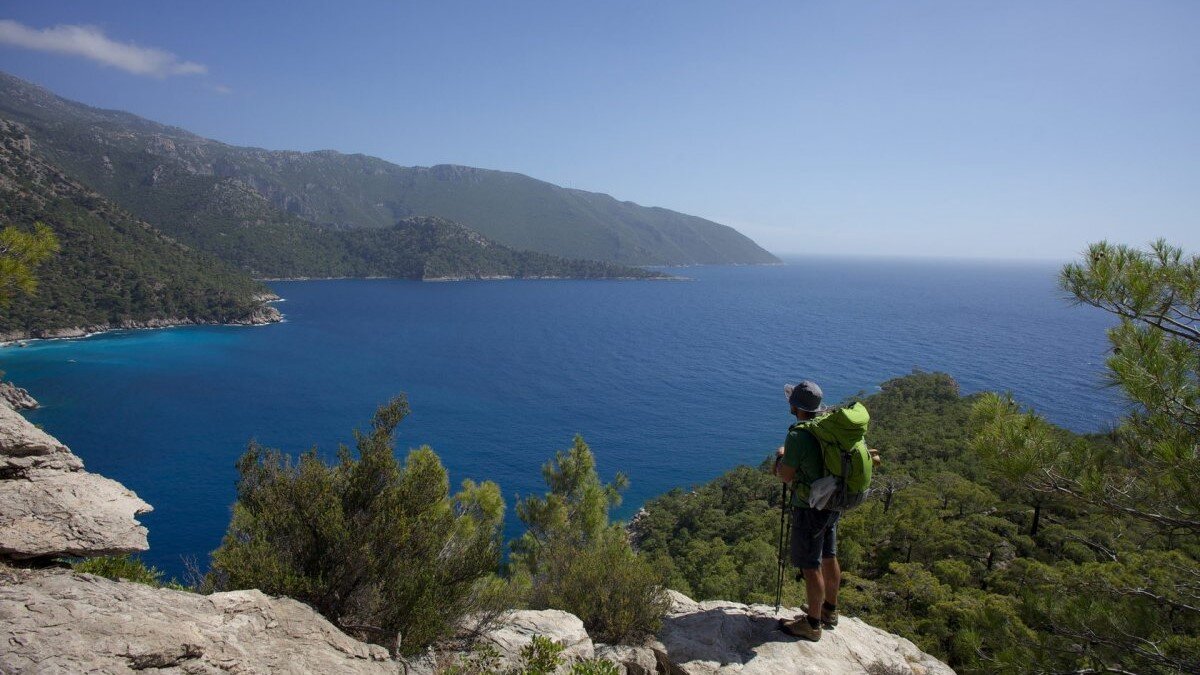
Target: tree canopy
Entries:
(996, 540)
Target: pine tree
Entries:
(572, 558)
(20, 254)
(1137, 607)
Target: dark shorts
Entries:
(814, 536)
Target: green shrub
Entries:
(122, 568)
(483, 659)
(542, 656)
(572, 559)
(595, 667)
(616, 594)
(380, 549)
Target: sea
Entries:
(670, 382)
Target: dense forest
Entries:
(994, 539)
(974, 569)
(109, 268)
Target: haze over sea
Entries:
(671, 383)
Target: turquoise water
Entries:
(670, 382)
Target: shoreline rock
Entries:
(478, 277)
(262, 315)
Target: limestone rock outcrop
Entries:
(50, 506)
(16, 397)
(58, 621)
(516, 629)
(728, 637)
(703, 638)
(630, 660)
(512, 632)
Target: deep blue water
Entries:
(670, 382)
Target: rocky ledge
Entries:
(704, 638)
(58, 621)
(16, 397)
(51, 507)
(727, 637)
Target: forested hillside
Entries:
(111, 269)
(976, 569)
(202, 191)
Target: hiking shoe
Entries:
(800, 628)
(829, 617)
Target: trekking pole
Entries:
(783, 509)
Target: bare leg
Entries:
(814, 583)
(831, 572)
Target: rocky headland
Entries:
(58, 620)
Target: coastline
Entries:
(263, 315)
(497, 277)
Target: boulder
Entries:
(59, 621)
(511, 632)
(51, 507)
(728, 637)
(630, 660)
(515, 629)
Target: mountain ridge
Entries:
(328, 188)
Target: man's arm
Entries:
(785, 473)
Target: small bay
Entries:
(670, 382)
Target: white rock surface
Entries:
(516, 629)
(24, 446)
(511, 633)
(50, 506)
(727, 637)
(15, 397)
(58, 621)
(629, 660)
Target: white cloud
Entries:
(222, 89)
(91, 43)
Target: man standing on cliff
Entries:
(814, 532)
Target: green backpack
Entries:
(842, 435)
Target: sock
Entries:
(826, 605)
(814, 622)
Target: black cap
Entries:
(806, 396)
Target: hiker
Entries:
(814, 532)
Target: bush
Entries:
(542, 656)
(572, 559)
(616, 594)
(595, 667)
(381, 550)
(125, 568)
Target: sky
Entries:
(1016, 129)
